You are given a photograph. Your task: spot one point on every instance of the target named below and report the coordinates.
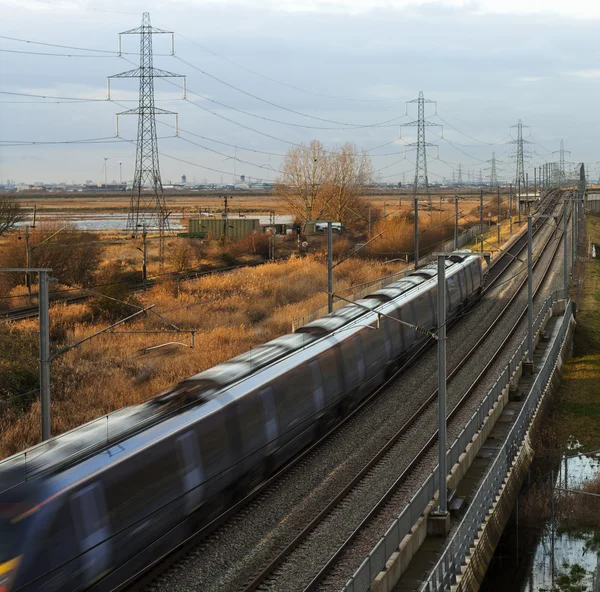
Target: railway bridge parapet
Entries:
(486, 476)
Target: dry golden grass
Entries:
(231, 313)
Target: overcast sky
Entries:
(486, 63)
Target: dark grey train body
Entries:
(96, 519)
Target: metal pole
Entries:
(510, 209)
(44, 353)
(565, 249)
(28, 263)
(529, 291)
(534, 182)
(456, 223)
(145, 256)
(573, 238)
(416, 232)
(519, 202)
(480, 218)
(499, 218)
(329, 267)
(441, 290)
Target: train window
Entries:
(353, 363)
(373, 342)
(469, 279)
(60, 542)
(392, 335)
(293, 399)
(453, 292)
(462, 282)
(134, 492)
(252, 419)
(433, 303)
(318, 393)
(423, 311)
(329, 372)
(214, 444)
(409, 335)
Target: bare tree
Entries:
(350, 171)
(319, 184)
(304, 187)
(10, 214)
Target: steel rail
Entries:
(457, 407)
(260, 578)
(146, 576)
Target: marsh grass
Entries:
(230, 313)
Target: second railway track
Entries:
(212, 566)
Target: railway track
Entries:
(272, 575)
(29, 312)
(200, 544)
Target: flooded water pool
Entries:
(544, 559)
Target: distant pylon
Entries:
(520, 168)
(147, 209)
(460, 179)
(421, 178)
(493, 171)
(561, 177)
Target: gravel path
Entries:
(237, 550)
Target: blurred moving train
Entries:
(86, 518)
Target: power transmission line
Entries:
(273, 104)
(285, 84)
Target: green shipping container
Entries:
(215, 227)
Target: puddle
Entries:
(540, 560)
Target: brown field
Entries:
(255, 202)
(229, 314)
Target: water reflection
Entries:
(556, 553)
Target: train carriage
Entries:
(87, 518)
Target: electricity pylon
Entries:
(561, 175)
(460, 179)
(493, 173)
(421, 178)
(520, 142)
(147, 209)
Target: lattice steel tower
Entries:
(520, 142)
(561, 173)
(147, 209)
(421, 178)
(493, 171)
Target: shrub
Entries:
(118, 301)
